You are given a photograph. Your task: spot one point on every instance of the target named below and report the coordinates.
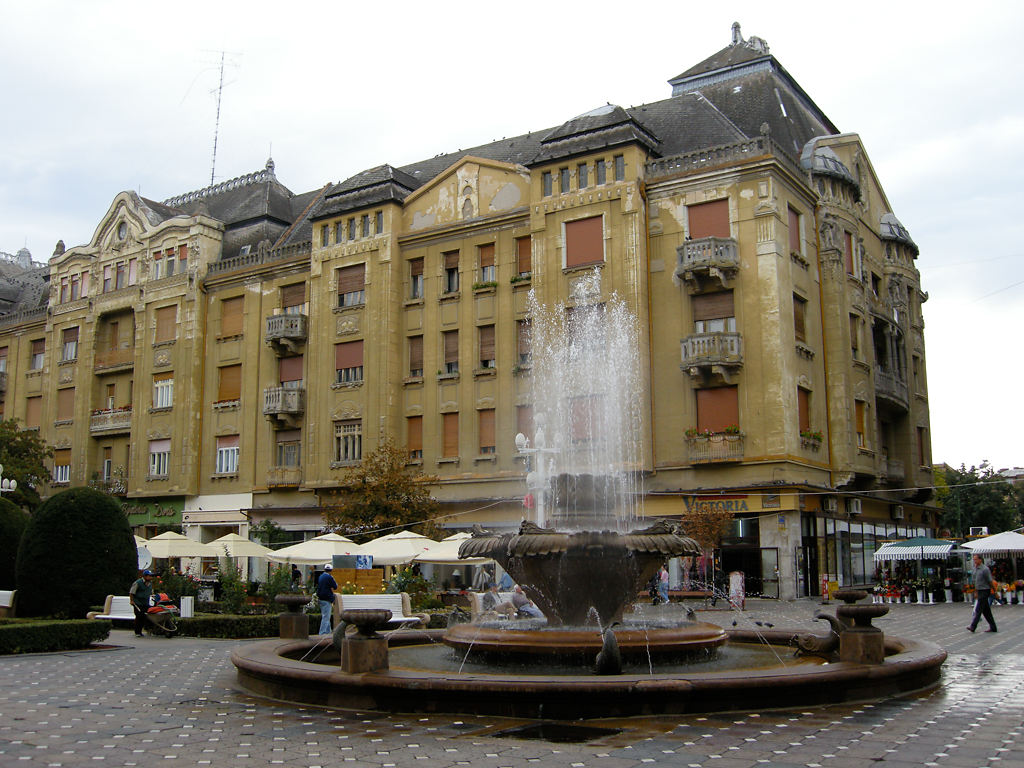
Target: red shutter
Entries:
(414, 433)
(451, 346)
(230, 387)
(33, 411)
(709, 219)
(803, 406)
(794, 231)
(231, 316)
(523, 255)
(717, 408)
(486, 342)
(486, 429)
(584, 242)
(348, 354)
(487, 255)
(416, 353)
(713, 306)
(450, 435)
(165, 323)
(352, 279)
(290, 368)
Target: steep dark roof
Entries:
(601, 128)
(378, 185)
(241, 200)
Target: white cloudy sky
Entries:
(104, 96)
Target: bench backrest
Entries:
(121, 605)
(7, 598)
(476, 601)
(392, 602)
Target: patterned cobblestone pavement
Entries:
(147, 701)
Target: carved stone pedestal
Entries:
(293, 625)
(364, 654)
(864, 645)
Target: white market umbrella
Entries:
(170, 545)
(397, 548)
(316, 551)
(1003, 544)
(446, 552)
(140, 542)
(233, 545)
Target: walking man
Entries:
(982, 590)
(325, 587)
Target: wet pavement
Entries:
(148, 700)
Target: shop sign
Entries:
(149, 511)
(716, 503)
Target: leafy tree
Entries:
(271, 534)
(13, 520)
(77, 549)
(23, 456)
(232, 589)
(978, 496)
(381, 492)
(706, 524)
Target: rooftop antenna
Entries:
(216, 125)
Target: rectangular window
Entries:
(794, 231)
(133, 271)
(545, 183)
(289, 448)
(717, 408)
(803, 407)
(415, 355)
(714, 313)
(227, 455)
(414, 436)
(600, 172)
(922, 447)
(163, 390)
(451, 271)
(524, 262)
(289, 369)
(352, 228)
(339, 231)
(169, 258)
(487, 442)
(231, 316)
(523, 349)
(449, 435)
(183, 257)
(584, 242)
(859, 408)
(166, 324)
(915, 371)
(585, 418)
(293, 299)
(365, 224)
(113, 335)
(620, 167)
(486, 333)
(855, 336)
(159, 457)
(348, 362)
(119, 275)
(848, 254)
(108, 278)
(524, 421)
(416, 279)
(348, 440)
(3, 359)
(352, 286)
(108, 464)
(378, 224)
(799, 318)
(66, 404)
(76, 287)
(158, 265)
(62, 465)
(33, 412)
(111, 396)
(69, 347)
(325, 235)
(63, 290)
(487, 268)
(709, 219)
(582, 176)
(35, 362)
(563, 180)
(229, 387)
(451, 351)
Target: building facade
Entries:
(229, 352)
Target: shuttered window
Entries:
(66, 404)
(227, 455)
(524, 261)
(352, 285)
(586, 417)
(166, 318)
(451, 351)
(803, 407)
(487, 269)
(487, 443)
(414, 436)
(33, 411)
(799, 318)
(416, 279)
(38, 354)
(709, 219)
(486, 346)
(451, 271)
(717, 408)
(415, 355)
(450, 435)
(159, 457)
(714, 312)
(293, 297)
(290, 370)
(348, 362)
(231, 316)
(230, 385)
(584, 242)
(62, 465)
(860, 425)
(794, 231)
(523, 341)
(848, 253)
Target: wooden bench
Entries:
(7, 600)
(115, 608)
(398, 603)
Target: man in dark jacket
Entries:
(141, 591)
(982, 590)
(325, 587)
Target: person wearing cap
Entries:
(140, 593)
(325, 587)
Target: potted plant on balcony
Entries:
(732, 432)
(698, 435)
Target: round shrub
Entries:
(13, 520)
(77, 549)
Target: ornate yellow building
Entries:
(221, 357)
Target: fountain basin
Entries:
(266, 669)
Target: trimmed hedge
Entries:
(43, 636)
(237, 627)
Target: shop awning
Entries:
(1002, 544)
(918, 548)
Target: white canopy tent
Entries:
(316, 551)
(1005, 544)
(397, 548)
(233, 545)
(446, 552)
(172, 545)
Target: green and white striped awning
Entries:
(919, 548)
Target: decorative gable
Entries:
(473, 188)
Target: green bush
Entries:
(13, 521)
(232, 589)
(45, 636)
(237, 627)
(176, 585)
(76, 550)
(280, 580)
(421, 592)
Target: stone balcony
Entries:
(710, 262)
(712, 357)
(284, 405)
(286, 333)
(112, 421)
(715, 448)
(114, 359)
(284, 477)
(891, 470)
(891, 389)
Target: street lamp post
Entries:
(537, 477)
(7, 484)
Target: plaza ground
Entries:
(148, 700)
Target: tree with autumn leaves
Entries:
(23, 456)
(381, 494)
